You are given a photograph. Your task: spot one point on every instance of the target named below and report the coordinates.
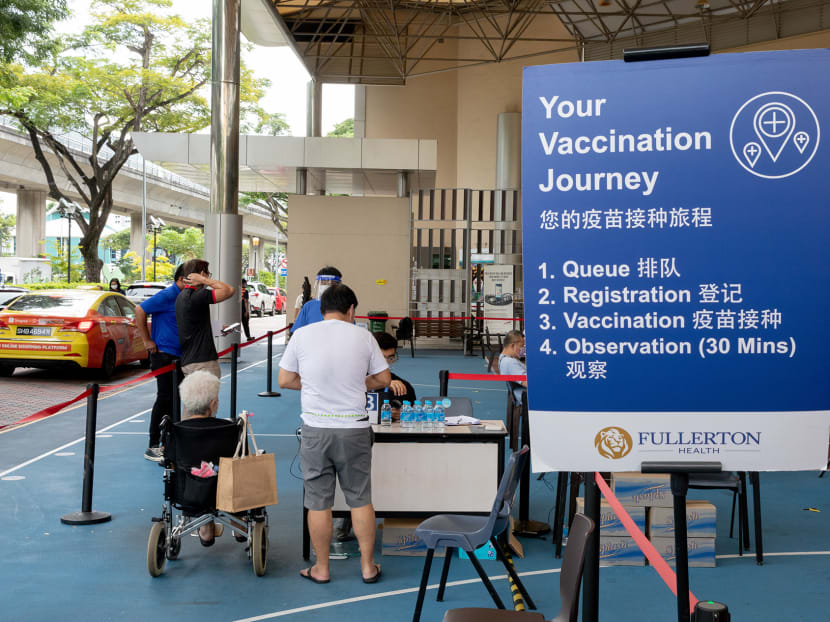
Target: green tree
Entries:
(135, 67)
(26, 28)
(6, 226)
(119, 241)
(344, 129)
(181, 244)
(58, 262)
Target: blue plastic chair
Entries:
(461, 531)
(569, 581)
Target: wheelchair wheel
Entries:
(156, 549)
(174, 547)
(259, 548)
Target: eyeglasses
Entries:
(391, 358)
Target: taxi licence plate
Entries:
(37, 331)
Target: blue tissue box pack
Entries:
(609, 524)
(642, 489)
(486, 551)
(700, 520)
(619, 551)
(701, 551)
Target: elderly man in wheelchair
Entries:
(192, 449)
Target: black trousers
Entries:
(167, 388)
(245, 318)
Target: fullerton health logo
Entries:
(613, 443)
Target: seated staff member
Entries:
(399, 387)
(509, 363)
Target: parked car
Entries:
(261, 300)
(70, 328)
(140, 291)
(280, 298)
(9, 293)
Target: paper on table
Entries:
(462, 420)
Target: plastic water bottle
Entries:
(428, 415)
(438, 417)
(386, 413)
(417, 416)
(406, 416)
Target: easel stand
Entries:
(679, 472)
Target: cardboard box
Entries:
(609, 524)
(701, 551)
(619, 551)
(642, 489)
(700, 520)
(399, 538)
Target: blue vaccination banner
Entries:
(676, 235)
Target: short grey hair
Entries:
(197, 391)
(512, 337)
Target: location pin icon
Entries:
(752, 151)
(774, 124)
(802, 139)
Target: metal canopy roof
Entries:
(388, 41)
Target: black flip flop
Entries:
(310, 578)
(375, 578)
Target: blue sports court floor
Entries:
(53, 571)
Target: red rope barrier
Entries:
(489, 377)
(654, 558)
(51, 410)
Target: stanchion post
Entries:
(177, 407)
(268, 392)
(234, 364)
(525, 526)
(590, 574)
(86, 516)
(443, 382)
(679, 488)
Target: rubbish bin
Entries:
(378, 326)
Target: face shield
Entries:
(323, 282)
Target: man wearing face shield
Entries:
(310, 313)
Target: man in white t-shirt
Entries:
(333, 363)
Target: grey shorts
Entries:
(346, 452)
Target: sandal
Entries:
(311, 578)
(375, 578)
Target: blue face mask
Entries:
(522, 352)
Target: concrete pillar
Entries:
(138, 241)
(223, 226)
(31, 223)
(360, 111)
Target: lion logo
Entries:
(613, 443)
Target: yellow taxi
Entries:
(70, 328)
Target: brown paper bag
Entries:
(246, 481)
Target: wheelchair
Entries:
(186, 445)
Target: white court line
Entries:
(57, 449)
(109, 427)
(411, 590)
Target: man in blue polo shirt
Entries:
(164, 349)
(310, 313)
